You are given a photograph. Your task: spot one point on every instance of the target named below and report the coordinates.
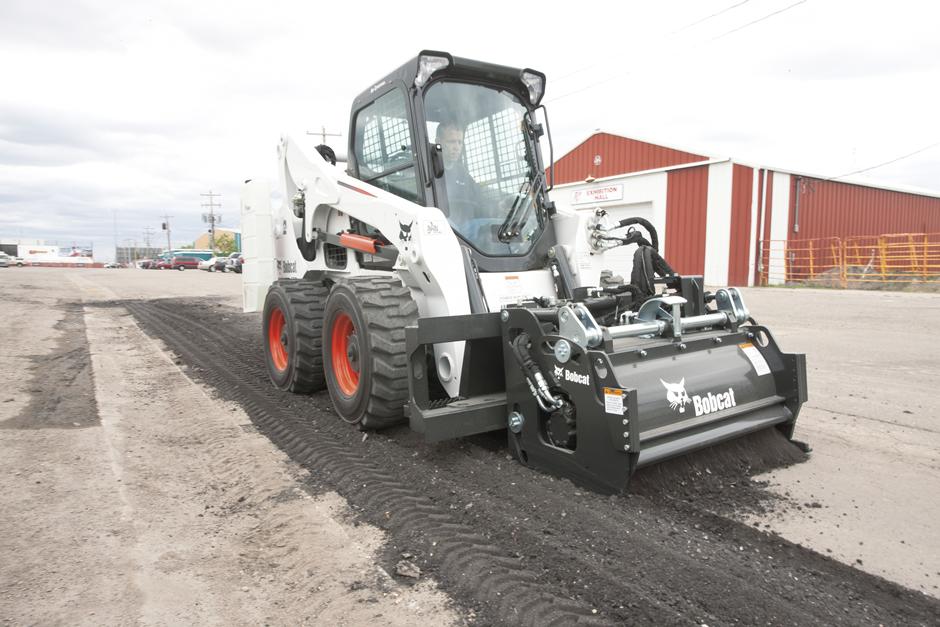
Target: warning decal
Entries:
(757, 360)
(613, 401)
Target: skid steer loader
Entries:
(453, 301)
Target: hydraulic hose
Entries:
(534, 377)
(646, 224)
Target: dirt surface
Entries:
(130, 496)
(662, 559)
(693, 543)
(871, 496)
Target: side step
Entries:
(481, 406)
(460, 418)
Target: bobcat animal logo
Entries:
(676, 395)
(559, 372)
(405, 234)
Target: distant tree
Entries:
(225, 244)
(187, 246)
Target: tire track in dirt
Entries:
(648, 559)
(497, 584)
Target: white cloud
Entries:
(140, 107)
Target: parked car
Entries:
(183, 263)
(113, 264)
(162, 264)
(144, 264)
(19, 262)
(4, 260)
(232, 263)
(208, 264)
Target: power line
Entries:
(675, 32)
(760, 19)
(708, 17)
(591, 86)
(617, 76)
(895, 160)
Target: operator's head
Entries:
(450, 137)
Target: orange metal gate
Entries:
(892, 259)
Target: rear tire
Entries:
(364, 354)
(293, 329)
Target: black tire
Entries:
(379, 309)
(299, 368)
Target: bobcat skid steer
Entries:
(443, 292)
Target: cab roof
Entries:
(467, 69)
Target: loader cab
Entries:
(460, 135)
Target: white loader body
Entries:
(429, 262)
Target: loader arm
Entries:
(429, 260)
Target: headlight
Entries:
(427, 65)
(535, 81)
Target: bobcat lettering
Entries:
(678, 398)
(574, 377)
(713, 402)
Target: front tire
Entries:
(293, 328)
(364, 356)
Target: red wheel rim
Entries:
(277, 339)
(344, 369)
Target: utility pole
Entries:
(323, 134)
(129, 248)
(115, 237)
(166, 227)
(210, 217)
(148, 233)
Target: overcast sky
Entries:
(122, 110)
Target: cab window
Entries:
(385, 156)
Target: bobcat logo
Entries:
(676, 395)
(559, 372)
(405, 234)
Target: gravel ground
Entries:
(131, 496)
(123, 473)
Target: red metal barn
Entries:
(715, 215)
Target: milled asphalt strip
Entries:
(222, 359)
(466, 558)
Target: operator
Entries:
(464, 197)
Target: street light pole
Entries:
(166, 227)
(211, 218)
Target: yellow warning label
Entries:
(613, 401)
